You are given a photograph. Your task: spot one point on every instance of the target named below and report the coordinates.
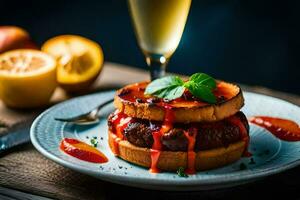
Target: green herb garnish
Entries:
(94, 142)
(181, 173)
(200, 85)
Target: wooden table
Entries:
(26, 174)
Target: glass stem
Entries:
(157, 66)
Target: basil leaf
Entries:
(172, 87)
(201, 91)
(171, 93)
(162, 84)
(162, 93)
(203, 79)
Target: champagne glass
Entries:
(158, 26)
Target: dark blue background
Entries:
(254, 42)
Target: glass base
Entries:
(157, 64)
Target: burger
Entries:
(170, 123)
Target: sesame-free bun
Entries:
(184, 112)
(172, 160)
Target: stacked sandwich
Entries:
(186, 132)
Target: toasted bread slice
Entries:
(132, 101)
(171, 161)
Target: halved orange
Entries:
(79, 60)
(27, 78)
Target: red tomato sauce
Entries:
(157, 146)
(283, 129)
(82, 151)
(191, 154)
(245, 137)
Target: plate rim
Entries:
(218, 179)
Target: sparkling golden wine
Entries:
(159, 24)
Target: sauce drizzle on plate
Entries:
(82, 151)
(283, 129)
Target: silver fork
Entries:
(88, 118)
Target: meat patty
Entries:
(209, 135)
(139, 134)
